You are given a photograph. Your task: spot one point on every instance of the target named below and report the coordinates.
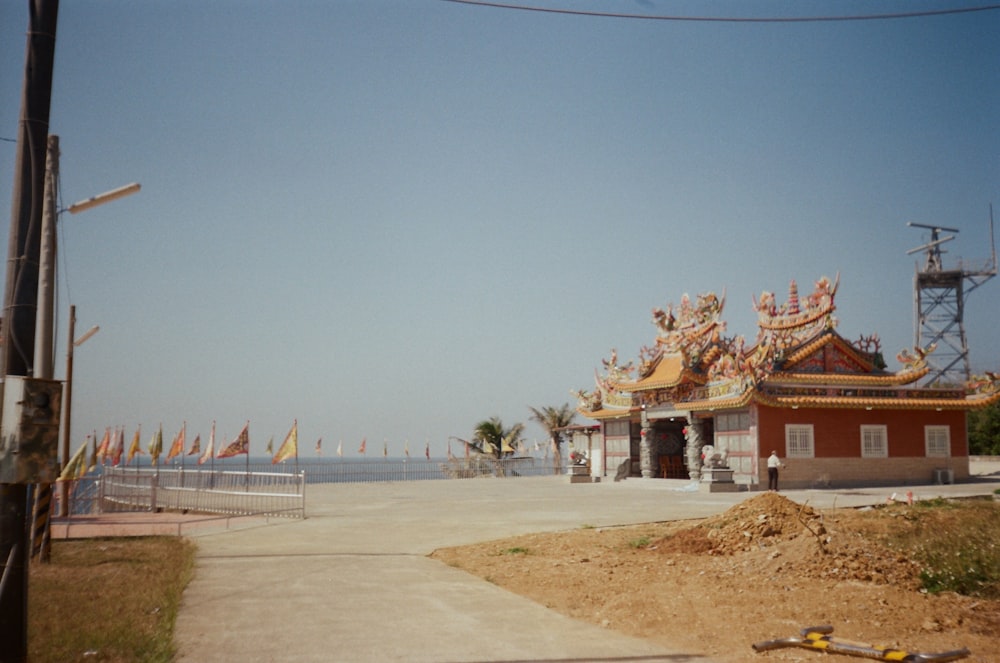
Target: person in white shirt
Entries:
(773, 463)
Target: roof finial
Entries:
(793, 298)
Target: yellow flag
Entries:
(156, 446)
(133, 448)
(75, 463)
(290, 447)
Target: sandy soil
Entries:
(763, 570)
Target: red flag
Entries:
(427, 450)
(319, 447)
(241, 445)
(364, 443)
(195, 446)
(118, 447)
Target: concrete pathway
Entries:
(352, 582)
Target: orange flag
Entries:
(177, 448)
(134, 448)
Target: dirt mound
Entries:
(756, 523)
(793, 538)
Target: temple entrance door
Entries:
(668, 448)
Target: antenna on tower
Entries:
(939, 305)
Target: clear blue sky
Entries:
(395, 219)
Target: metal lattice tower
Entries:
(939, 306)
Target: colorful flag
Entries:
(385, 448)
(195, 446)
(104, 450)
(134, 448)
(241, 445)
(177, 448)
(156, 446)
(269, 449)
(210, 449)
(450, 455)
(319, 447)
(118, 446)
(92, 465)
(406, 448)
(290, 447)
(78, 461)
(427, 450)
(364, 443)
(340, 449)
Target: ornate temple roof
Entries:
(797, 360)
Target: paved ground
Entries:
(352, 582)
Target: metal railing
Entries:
(203, 491)
(249, 488)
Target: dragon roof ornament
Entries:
(797, 319)
(689, 329)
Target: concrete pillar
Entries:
(646, 449)
(695, 441)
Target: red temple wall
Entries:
(837, 446)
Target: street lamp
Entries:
(44, 335)
(64, 509)
(107, 197)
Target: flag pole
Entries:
(248, 457)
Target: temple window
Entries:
(616, 428)
(874, 442)
(937, 440)
(799, 440)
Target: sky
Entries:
(390, 220)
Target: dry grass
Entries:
(112, 599)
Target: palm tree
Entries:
(552, 419)
(489, 436)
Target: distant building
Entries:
(827, 405)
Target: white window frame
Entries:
(874, 441)
(799, 441)
(937, 441)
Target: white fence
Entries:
(203, 491)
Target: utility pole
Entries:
(20, 306)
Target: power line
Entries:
(729, 19)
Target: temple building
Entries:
(698, 400)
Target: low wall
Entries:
(800, 473)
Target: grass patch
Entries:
(641, 542)
(958, 545)
(110, 599)
(517, 550)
